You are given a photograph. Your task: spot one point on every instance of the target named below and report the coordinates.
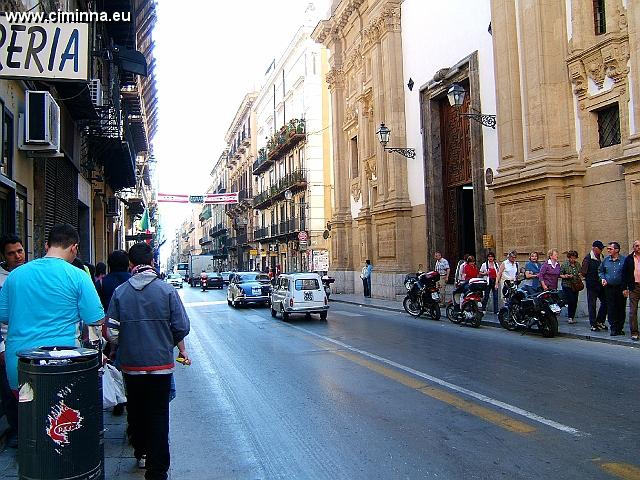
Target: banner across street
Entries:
(210, 198)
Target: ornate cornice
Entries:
(335, 78)
(339, 19)
(608, 58)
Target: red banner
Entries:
(163, 197)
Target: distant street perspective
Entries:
(322, 239)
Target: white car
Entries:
(175, 279)
(299, 293)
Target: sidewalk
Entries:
(118, 455)
(580, 330)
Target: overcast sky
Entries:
(208, 57)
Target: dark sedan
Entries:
(248, 287)
(214, 280)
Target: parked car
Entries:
(299, 293)
(225, 277)
(175, 279)
(214, 280)
(248, 287)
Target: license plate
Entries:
(435, 296)
(308, 296)
(256, 291)
(554, 308)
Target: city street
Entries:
(375, 394)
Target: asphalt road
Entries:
(372, 394)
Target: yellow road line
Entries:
(622, 470)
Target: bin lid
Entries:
(57, 353)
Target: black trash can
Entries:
(60, 414)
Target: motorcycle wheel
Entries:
(505, 316)
(434, 311)
(549, 325)
(451, 314)
(412, 308)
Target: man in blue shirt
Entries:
(610, 274)
(46, 301)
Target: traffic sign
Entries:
(303, 236)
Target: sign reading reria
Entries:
(57, 51)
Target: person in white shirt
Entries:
(508, 270)
(443, 268)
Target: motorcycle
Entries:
(422, 295)
(525, 309)
(203, 283)
(464, 307)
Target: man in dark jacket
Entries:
(595, 290)
(147, 320)
(631, 274)
(118, 262)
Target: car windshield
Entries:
(175, 275)
(253, 277)
(307, 284)
(213, 274)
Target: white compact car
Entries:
(299, 293)
(175, 279)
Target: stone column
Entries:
(633, 19)
(377, 69)
(507, 75)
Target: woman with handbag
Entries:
(571, 283)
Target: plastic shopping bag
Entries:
(112, 387)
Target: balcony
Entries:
(204, 240)
(261, 233)
(284, 228)
(220, 252)
(294, 181)
(242, 239)
(216, 231)
(262, 162)
(232, 243)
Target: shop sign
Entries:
(303, 236)
(253, 252)
(58, 51)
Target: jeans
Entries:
(593, 295)
(491, 290)
(366, 286)
(571, 298)
(148, 418)
(8, 400)
(616, 305)
(634, 296)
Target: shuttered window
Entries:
(61, 193)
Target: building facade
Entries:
(292, 199)
(241, 154)
(568, 98)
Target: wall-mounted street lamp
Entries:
(456, 94)
(383, 135)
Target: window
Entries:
(307, 284)
(354, 158)
(599, 18)
(609, 126)
(6, 139)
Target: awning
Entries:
(119, 164)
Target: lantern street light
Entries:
(383, 135)
(456, 94)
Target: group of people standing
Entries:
(609, 279)
(48, 302)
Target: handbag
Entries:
(577, 285)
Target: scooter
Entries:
(422, 295)
(466, 310)
(203, 284)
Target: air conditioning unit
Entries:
(95, 89)
(113, 207)
(41, 123)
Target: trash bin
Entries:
(60, 414)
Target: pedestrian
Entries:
(632, 279)
(14, 256)
(101, 271)
(531, 282)
(508, 271)
(459, 268)
(550, 271)
(46, 300)
(612, 279)
(147, 319)
(365, 275)
(469, 270)
(571, 284)
(595, 290)
(443, 269)
(489, 269)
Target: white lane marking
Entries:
(478, 396)
(204, 304)
(347, 314)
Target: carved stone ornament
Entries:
(441, 74)
(371, 168)
(579, 79)
(335, 78)
(350, 116)
(355, 189)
